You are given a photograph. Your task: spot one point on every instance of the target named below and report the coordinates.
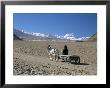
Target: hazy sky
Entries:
(80, 24)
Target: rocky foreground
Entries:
(31, 58)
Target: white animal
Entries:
(53, 54)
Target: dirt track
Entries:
(31, 58)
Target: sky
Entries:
(80, 24)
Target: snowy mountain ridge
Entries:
(68, 36)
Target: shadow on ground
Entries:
(76, 63)
(80, 63)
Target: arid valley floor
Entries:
(31, 58)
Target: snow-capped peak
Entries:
(40, 34)
(22, 30)
(69, 36)
(83, 38)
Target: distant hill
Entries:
(16, 37)
(93, 37)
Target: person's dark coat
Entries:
(65, 50)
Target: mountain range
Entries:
(45, 36)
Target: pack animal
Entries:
(53, 54)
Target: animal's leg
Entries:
(53, 56)
(50, 57)
(56, 57)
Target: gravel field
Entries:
(31, 58)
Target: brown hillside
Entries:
(93, 37)
(16, 37)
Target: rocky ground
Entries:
(31, 58)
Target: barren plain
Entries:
(31, 58)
